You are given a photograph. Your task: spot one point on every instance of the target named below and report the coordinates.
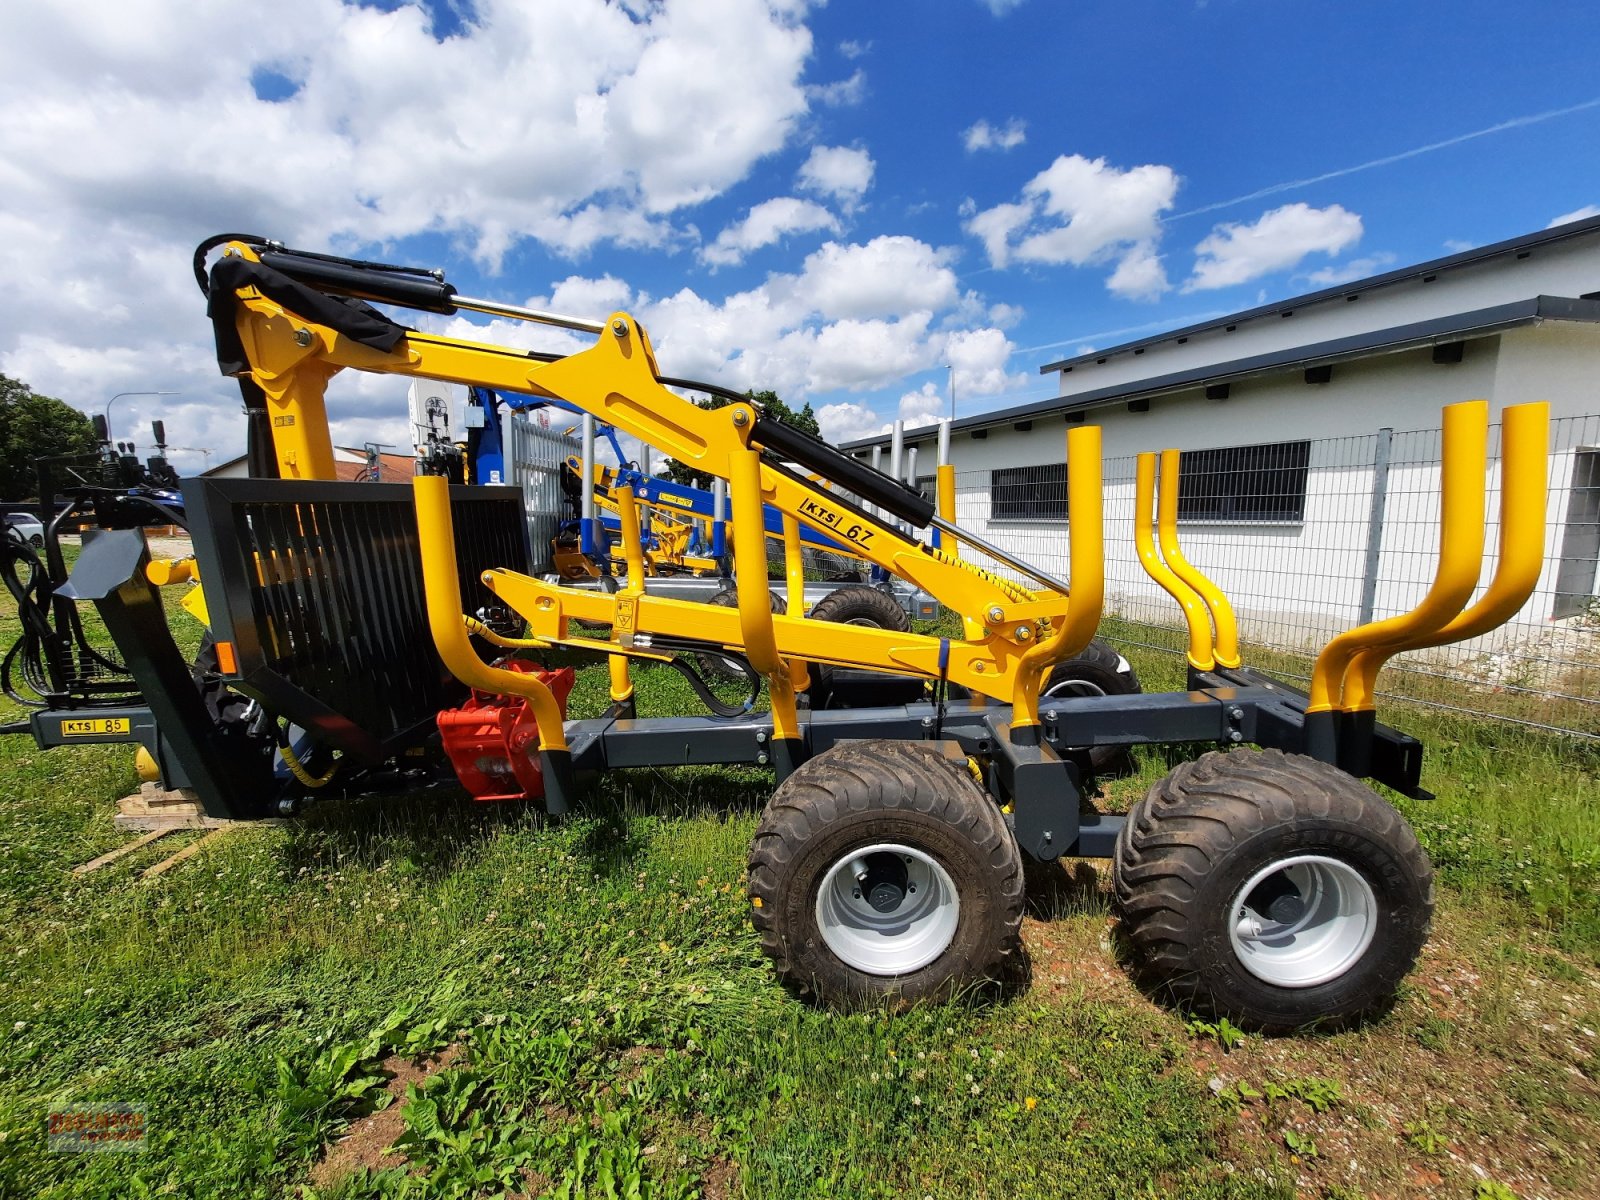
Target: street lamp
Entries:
(119, 396)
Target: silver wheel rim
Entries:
(1074, 687)
(897, 942)
(1335, 923)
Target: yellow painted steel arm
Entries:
(1195, 615)
(1524, 495)
(1461, 534)
(757, 635)
(436, 538)
(794, 571)
(1226, 646)
(1086, 548)
(633, 553)
(986, 666)
(615, 379)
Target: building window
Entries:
(1028, 493)
(1244, 483)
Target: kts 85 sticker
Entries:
(94, 726)
(855, 531)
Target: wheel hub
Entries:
(887, 909)
(1302, 921)
(886, 882)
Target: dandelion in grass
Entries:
(1031, 1103)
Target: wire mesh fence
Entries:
(1309, 538)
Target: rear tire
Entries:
(1272, 889)
(1098, 671)
(906, 813)
(855, 604)
(862, 604)
(722, 665)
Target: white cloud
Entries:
(979, 357)
(984, 136)
(1577, 214)
(1083, 212)
(590, 297)
(1356, 268)
(128, 130)
(1004, 316)
(994, 227)
(1139, 275)
(842, 93)
(923, 407)
(842, 172)
(847, 422)
(861, 355)
(767, 223)
(1100, 209)
(1001, 7)
(889, 276)
(1232, 253)
(1457, 245)
(854, 49)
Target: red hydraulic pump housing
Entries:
(493, 740)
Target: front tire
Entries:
(1272, 889)
(881, 872)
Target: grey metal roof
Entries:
(1438, 266)
(1454, 328)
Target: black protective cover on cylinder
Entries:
(357, 321)
(409, 288)
(871, 485)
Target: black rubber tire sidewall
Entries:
(1183, 937)
(975, 849)
(1097, 665)
(862, 604)
(715, 665)
(1379, 971)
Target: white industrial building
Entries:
(1292, 416)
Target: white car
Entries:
(27, 527)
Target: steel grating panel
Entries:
(318, 585)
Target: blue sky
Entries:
(839, 201)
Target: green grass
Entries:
(622, 1035)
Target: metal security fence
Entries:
(535, 454)
(1311, 537)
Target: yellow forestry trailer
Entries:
(364, 636)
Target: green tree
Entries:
(31, 427)
(804, 420)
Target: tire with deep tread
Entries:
(862, 604)
(858, 794)
(855, 604)
(717, 665)
(1098, 670)
(1204, 830)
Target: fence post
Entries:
(1380, 493)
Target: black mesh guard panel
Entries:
(318, 585)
